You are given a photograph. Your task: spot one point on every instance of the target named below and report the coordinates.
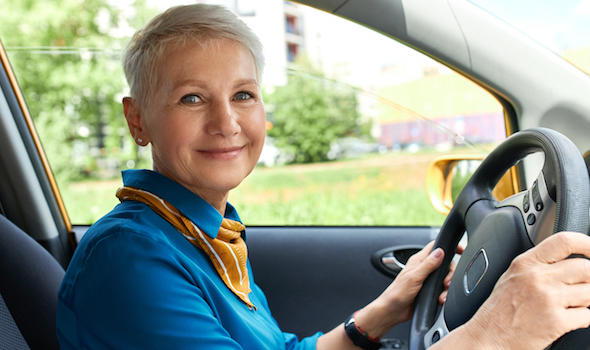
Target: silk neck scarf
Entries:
(227, 251)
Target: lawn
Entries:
(384, 189)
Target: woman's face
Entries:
(206, 120)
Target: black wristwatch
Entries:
(359, 337)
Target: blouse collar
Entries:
(196, 209)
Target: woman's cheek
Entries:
(257, 125)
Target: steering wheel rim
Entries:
(476, 209)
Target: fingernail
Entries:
(437, 253)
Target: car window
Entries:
(354, 118)
(560, 26)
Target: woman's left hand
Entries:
(396, 304)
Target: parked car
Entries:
(318, 264)
(350, 147)
(271, 154)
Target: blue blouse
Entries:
(136, 283)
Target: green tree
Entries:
(67, 62)
(310, 112)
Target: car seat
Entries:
(29, 281)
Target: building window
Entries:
(292, 50)
(291, 24)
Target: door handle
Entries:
(391, 261)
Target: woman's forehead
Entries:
(200, 46)
(219, 54)
(204, 62)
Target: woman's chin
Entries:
(225, 185)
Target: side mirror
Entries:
(448, 175)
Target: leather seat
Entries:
(29, 281)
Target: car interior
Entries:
(37, 238)
(28, 294)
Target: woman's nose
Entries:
(223, 120)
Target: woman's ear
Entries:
(135, 121)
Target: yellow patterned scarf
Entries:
(227, 251)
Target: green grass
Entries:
(87, 201)
(379, 190)
(339, 208)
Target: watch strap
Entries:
(358, 336)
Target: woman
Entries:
(167, 268)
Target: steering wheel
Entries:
(497, 232)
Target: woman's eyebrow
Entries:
(204, 83)
(189, 82)
(242, 82)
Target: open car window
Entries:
(354, 118)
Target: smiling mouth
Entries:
(223, 153)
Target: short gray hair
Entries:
(198, 22)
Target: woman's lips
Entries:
(225, 153)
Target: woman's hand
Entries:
(396, 303)
(541, 296)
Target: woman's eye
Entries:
(243, 96)
(190, 99)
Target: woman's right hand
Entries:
(541, 296)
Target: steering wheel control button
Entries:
(535, 190)
(531, 219)
(475, 271)
(536, 197)
(526, 203)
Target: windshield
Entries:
(561, 26)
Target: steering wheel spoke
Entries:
(438, 330)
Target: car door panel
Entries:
(314, 277)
